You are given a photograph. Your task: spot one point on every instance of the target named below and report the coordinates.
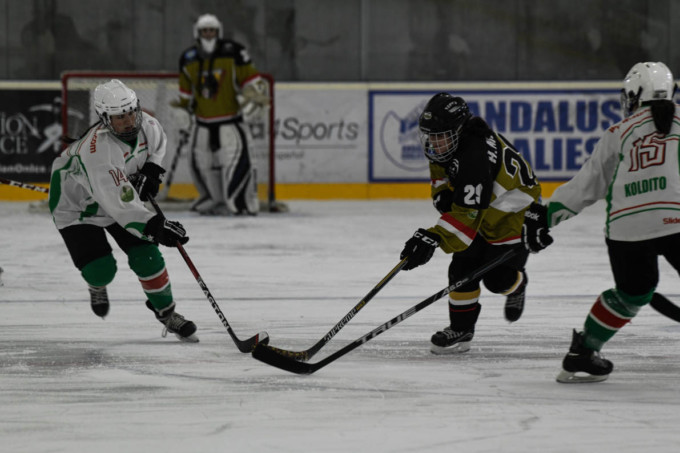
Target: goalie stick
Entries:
(270, 356)
(183, 140)
(308, 353)
(23, 185)
(243, 345)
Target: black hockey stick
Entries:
(664, 306)
(268, 355)
(243, 345)
(308, 353)
(23, 185)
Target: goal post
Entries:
(155, 91)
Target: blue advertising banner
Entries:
(554, 129)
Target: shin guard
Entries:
(147, 263)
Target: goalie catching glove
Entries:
(535, 231)
(420, 248)
(147, 181)
(166, 232)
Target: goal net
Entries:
(155, 91)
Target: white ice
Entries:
(72, 382)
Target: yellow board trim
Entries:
(310, 191)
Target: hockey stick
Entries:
(243, 345)
(308, 353)
(23, 185)
(270, 356)
(664, 306)
(183, 140)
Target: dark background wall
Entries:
(349, 40)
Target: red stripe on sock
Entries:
(157, 283)
(606, 317)
(452, 310)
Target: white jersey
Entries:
(89, 183)
(637, 170)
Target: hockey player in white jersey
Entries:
(98, 185)
(634, 167)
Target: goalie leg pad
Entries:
(240, 178)
(207, 170)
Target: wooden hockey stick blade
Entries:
(664, 306)
(308, 353)
(269, 355)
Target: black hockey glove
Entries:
(443, 201)
(420, 248)
(165, 232)
(535, 231)
(147, 180)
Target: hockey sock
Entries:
(101, 271)
(464, 309)
(147, 262)
(610, 312)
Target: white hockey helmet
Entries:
(648, 81)
(114, 98)
(207, 21)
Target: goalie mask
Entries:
(206, 22)
(646, 82)
(113, 98)
(440, 125)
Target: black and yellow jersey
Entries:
(492, 186)
(208, 84)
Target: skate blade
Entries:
(100, 310)
(570, 377)
(190, 339)
(457, 348)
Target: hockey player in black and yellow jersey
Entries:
(481, 186)
(213, 73)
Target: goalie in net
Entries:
(218, 85)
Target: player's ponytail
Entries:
(662, 112)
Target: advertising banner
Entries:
(321, 133)
(30, 131)
(555, 130)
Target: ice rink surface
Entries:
(72, 382)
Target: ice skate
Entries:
(99, 300)
(217, 209)
(514, 302)
(175, 323)
(590, 366)
(201, 204)
(449, 341)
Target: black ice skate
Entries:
(99, 300)
(449, 341)
(175, 323)
(581, 359)
(514, 302)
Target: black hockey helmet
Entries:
(440, 124)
